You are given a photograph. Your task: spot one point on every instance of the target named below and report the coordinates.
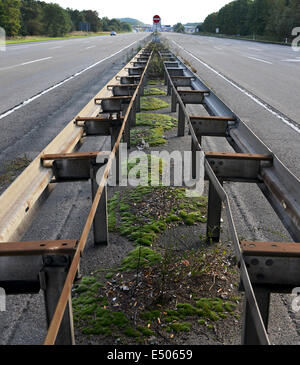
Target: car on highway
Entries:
(113, 33)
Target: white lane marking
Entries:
(90, 47)
(255, 49)
(56, 47)
(251, 96)
(39, 60)
(258, 59)
(25, 63)
(292, 60)
(28, 101)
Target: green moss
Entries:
(155, 120)
(142, 257)
(156, 82)
(153, 136)
(131, 332)
(147, 332)
(143, 228)
(151, 103)
(229, 307)
(186, 309)
(154, 91)
(213, 316)
(81, 288)
(172, 218)
(150, 315)
(109, 275)
(152, 82)
(181, 327)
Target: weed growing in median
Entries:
(151, 103)
(154, 91)
(142, 213)
(153, 136)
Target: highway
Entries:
(56, 79)
(265, 96)
(43, 85)
(257, 81)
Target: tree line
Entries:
(272, 18)
(31, 17)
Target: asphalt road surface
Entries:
(28, 69)
(258, 81)
(43, 85)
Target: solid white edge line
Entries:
(28, 101)
(252, 97)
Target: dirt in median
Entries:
(172, 287)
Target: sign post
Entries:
(156, 22)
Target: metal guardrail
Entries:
(252, 162)
(27, 267)
(60, 259)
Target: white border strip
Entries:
(251, 96)
(28, 101)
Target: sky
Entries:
(170, 11)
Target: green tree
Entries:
(280, 22)
(31, 17)
(211, 23)
(77, 17)
(259, 15)
(92, 18)
(178, 28)
(57, 21)
(10, 16)
(295, 13)
(126, 27)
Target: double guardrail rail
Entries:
(265, 267)
(27, 267)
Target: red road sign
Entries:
(156, 19)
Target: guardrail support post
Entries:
(100, 223)
(132, 116)
(52, 278)
(194, 158)
(169, 87)
(213, 214)
(166, 78)
(114, 136)
(173, 101)
(249, 335)
(181, 122)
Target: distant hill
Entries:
(131, 21)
